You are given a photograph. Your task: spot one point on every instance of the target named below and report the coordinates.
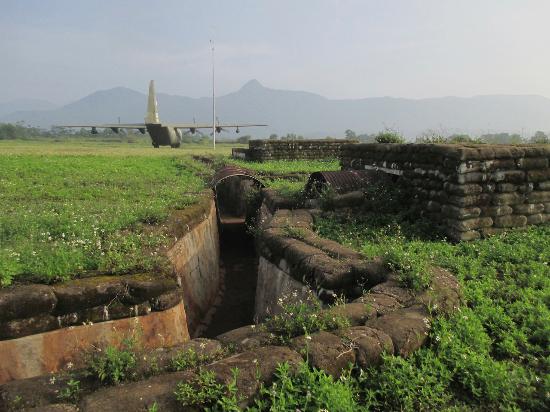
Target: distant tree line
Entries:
(10, 131)
(433, 136)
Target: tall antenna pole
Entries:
(213, 98)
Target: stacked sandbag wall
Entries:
(262, 150)
(469, 191)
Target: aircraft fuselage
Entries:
(163, 135)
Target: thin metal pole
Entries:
(213, 98)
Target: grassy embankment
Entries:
(493, 354)
(73, 207)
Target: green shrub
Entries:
(71, 392)
(114, 365)
(308, 389)
(206, 392)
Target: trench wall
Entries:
(262, 150)
(469, 191)
(195, 259)
(44, 328)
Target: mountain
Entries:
(24, 105)
(310, 114)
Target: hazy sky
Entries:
(61, 50)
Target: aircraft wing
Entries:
(209, 126)
(107, 126)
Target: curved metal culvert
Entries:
(230, 171)
(342, 181)
(233, 187)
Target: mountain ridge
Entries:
(309, 114)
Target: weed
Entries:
(301, 316)
(71, 392)
(206, 392)
(191, 359)
(412, 270)
(308, 389)
(153, 408)
(389, 136)
(114, 365)
(293, 232)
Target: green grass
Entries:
(493, 354)
(283, 167)
(68, 209)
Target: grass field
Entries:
(69, 208)
(493, 354)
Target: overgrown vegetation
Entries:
(389, 136)
(187, 359)
(307, 389)
(71, 392)
(114, 365)
(68, 214)
(491, 355)
(205, 392)
(301, 315)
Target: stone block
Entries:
(470, 200)
(380, 302)
(529, 163)
(496, 210)
(325, 351)
(245, 338)
(408, 328)
(509, 176)
(470, 224)
(535, 219)
(538, 175)
(510, 221)
(145, 287)
(506, 187)
(369, 344)
(166, 300)
(458, 236)
(75, 295)
(475, 177)
(460, 212)
(465, 189)
(499, 199)
(25, 301)
(528, 208)
(17, 328)
(491, 231)
(539, 197)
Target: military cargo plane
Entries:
(162, 134)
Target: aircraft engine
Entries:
(237, 130)
(115, 129)
(218, 129)
(192, 130)
(94, 130)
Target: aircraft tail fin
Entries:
(152, 115)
